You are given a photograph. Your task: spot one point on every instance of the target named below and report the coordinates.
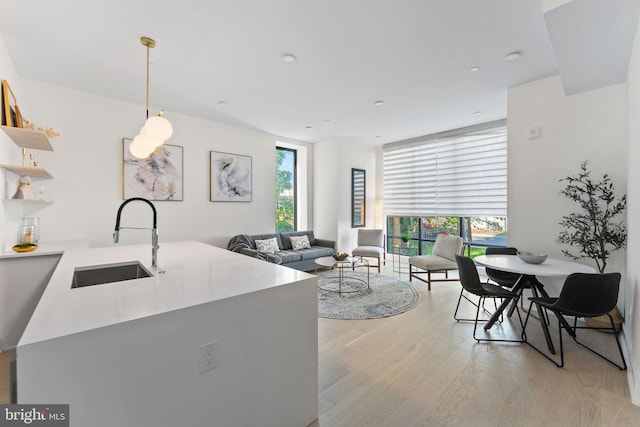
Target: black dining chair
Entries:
(583, 295)
(504, 278)
(471, 283)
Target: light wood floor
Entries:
(5, 360)
(422, 368)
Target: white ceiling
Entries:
(415, 55)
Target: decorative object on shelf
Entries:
(24, 247)
(10, 112)
(531, 258)
(49, 132)
(230, 177)
(156, 177)
(24, 188)
(340, 256)
(32, 224)
(38, 191)
(28, 236)
(593, 231)
(156, 130)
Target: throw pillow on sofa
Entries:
(267, 245)
(300, 242)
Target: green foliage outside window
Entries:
(285, 208)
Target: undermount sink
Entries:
(108, 273)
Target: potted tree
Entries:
(594, 231)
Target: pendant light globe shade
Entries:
(158, 128)
(140, 152)
(142, 146)
(148, 140)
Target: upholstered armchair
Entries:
(371, 245)
(443, 259)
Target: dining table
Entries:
(529, 274)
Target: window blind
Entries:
(456, 173)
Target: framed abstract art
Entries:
(230, 177)
(157, 177)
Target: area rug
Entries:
(387, 296)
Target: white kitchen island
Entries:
(128, 353)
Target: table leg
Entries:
(517, 288)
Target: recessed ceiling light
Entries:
(288, 58)
(309, 127)
(378, 103)
(512, 56)
(474, 69)
(327, 120)
(477, 113)
(378, 136)
(223, 103)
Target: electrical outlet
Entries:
(208, 355)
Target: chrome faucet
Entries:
(154, 230)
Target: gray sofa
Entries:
(302, 259)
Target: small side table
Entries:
(397, 251)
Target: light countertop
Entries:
(195, 273)
(47, 248)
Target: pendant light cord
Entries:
(147, 99)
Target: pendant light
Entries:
(156, 129)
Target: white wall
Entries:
(333, 162)
(632, 296)
(588, 126)
(87, 167)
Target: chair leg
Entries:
(475, 324)
(462, 295)
(429, 279)
(524, 336)
(455, 313)
(622, 367)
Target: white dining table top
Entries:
(549, 268)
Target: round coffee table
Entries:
(350, 263)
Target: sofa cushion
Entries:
(315, 252)
(374, 237)
(286, 241)
(267, 245)
(368, 251)
(447, 246)
(290, 256)
(299, 242)
(432, 262)
(264, 237)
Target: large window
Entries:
(477, 232)
(285, 189)
(453, 182)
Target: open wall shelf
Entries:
(23, 170)
(27, 138)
